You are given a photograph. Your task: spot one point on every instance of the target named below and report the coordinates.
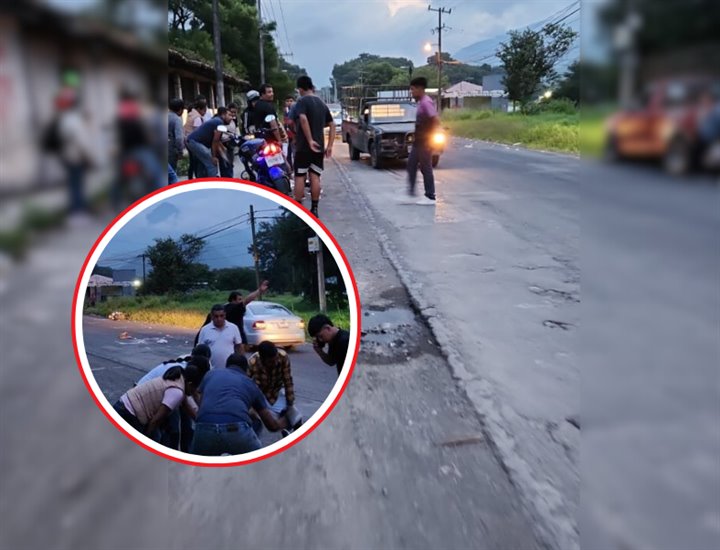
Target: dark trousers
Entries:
(421, 156)
(76, 186)
(192, 165)
(128, 417)
(227, 168)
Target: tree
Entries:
(173, 264)
(190, 29)
(233, 278)
(665, 26)
(569, 86)
(369, 66)
(284, 258)
(529, 58)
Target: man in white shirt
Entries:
(222, 336)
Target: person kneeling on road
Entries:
(223, 422)
(146, 406)
(177, 430)
(323, 332)
(271, 371)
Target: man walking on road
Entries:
(323, 332)
(426, 122)
(311, 116)
(222, 337)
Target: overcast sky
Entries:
(192, 212)
(324, 32)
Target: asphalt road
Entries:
(441, 438)
(494, 268)
(120, 352)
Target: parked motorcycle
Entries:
(263, 161)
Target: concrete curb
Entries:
(541, 500)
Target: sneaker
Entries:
(284, 432)
(425, 201)
(314, 211)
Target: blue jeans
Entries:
(172, 175)
(205, 166)
(76, 186)
(281, 403)
(215, 439)
(421, 155)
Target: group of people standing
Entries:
(301, 131)
(218, 400)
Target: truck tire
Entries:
(435, 160)
(354, 153)
(376, 161)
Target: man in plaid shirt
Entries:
(270, 368)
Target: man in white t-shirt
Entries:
(222, 336)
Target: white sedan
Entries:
(273, 322)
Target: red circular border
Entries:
(283, 198)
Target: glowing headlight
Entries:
(439, 138)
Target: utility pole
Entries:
(143, 256)
(315, 247)
(260, 39)
(254, 242)
(439, 30)
(321, 277)
(220, 83)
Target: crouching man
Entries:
(270, 369)
(223, 422)
(147, 406)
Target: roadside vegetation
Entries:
(189, 310)
(551, 126)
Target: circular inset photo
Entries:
(216, 322)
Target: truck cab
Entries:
(384, 128)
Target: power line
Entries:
(287, 38)
(554, 19)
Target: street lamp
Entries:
(136, 283)
(548, 94)
(428, 47)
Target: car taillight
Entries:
(259, 325)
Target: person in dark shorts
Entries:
(323, 332)
(311, 117)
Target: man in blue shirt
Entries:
(223, 422)
(205, 143)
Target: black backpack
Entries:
(51, 139)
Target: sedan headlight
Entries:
(439, 138)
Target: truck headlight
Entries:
(439, 138)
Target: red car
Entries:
(667, 125)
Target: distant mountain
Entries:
(484, 50)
